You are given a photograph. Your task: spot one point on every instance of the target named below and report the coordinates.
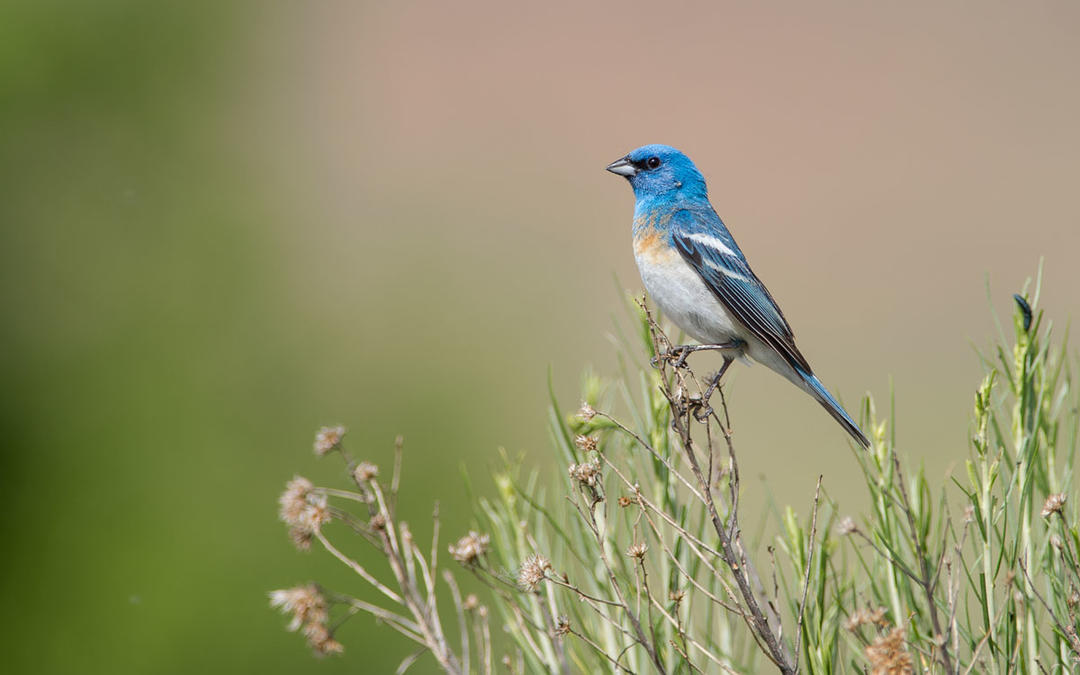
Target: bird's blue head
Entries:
(660, 171)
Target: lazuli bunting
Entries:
(696, 274)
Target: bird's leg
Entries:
(677, 353)
(702, 413)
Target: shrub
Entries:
(634, 560)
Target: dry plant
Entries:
(636, 561)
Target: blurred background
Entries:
(225, 224)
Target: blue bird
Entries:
(695, 272)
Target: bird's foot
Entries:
(702, 411)
(676, 354)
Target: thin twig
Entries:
(925, 580)
(806, 575)
(459, 607)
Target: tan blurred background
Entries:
(224, 224)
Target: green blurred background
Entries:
(224, 224)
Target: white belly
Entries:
(681, 294)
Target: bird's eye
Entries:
(653, 163)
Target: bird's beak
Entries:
(623, 167)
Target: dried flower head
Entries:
(586, 443)
(469, 548)
(305, 603)
(846, 526)
(865, 617)
(301, 538)
(293, 500)
(625, 501)
(327, 439)
(303, 511)
(562, 625)
(471, 602)
(364, 472)
(1053, 504)
(321, 640)
(637, 550)
(586, 473)
(887, 655)
(533, 570)
(316, 513)
(587, 412)
(309, 612)
(377, 522)
(677, 595)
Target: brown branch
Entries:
(774, 647)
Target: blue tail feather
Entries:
(818, 391)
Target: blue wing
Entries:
(705, 243)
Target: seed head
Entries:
(533, 570)
(1053, 504)
(846, 526)
(586, 473)
(305, 603)
(637, 550)
(887, 655)
(471, 602)
(301, 538)
(293, 500)
(865, 617)
(316, 513)
(586, 443)
(327, 439)
(562, 625)
(469, 548)
(587, 412)
(303, 511)
(321, 640)
(364, 472)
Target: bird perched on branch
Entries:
(695, 272)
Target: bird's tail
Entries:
(819, 392)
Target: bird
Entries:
(698, 276)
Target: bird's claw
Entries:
(699, 407)
(675, 355)
(680, 362)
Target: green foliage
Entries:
(634, 559)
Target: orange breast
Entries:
(651, 245)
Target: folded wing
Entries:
(712, 252)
